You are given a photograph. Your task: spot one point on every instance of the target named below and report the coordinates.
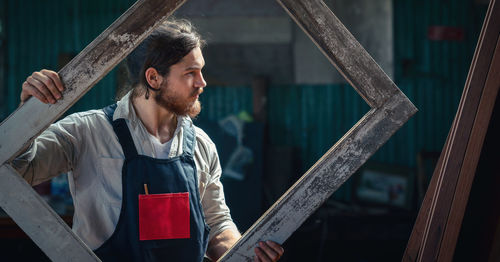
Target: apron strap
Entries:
(189, 138)
(121, 130)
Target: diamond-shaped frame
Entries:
(390, 109)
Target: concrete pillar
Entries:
(370, 21)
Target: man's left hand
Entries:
(268, 251)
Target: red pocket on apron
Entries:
(164, 216)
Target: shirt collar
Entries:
(124, 108)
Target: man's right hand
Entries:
(45, 85)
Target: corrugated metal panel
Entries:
(312, 118)
(39, 34)
(218, 102)
(431, 73)
(309, 117)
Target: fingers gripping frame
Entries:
(390, 109)
(17, 197)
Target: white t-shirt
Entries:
(85, 146)
(160, 150)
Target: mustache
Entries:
(197, 92)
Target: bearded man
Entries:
(145, 181)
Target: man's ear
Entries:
(153, 77)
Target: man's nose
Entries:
(200, 81)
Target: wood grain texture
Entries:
(39, 221)
(425, 241)
(413, 246)
(459, 137)
(471, 159)
(83, 72)
(324, 177)
(390, 110)
(342, 49)
(20, 202)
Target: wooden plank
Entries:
(454, 156)
(471, 159)
(425, 240)
(20, 128)
(324, 177)
(83, 72)
(413, 246)
(39, 221)
(342, 49)
(390, 110)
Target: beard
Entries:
(170, 101)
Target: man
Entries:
(144, 180)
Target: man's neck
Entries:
(159, 122)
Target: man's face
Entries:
(179, 91)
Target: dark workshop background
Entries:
(274, 105)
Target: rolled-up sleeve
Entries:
(216, 211)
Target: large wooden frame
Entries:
(390, 109)
(439, 220)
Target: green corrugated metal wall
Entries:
(39, 31)
(218, 101)
(433, 73)
(310, 117)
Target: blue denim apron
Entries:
(164, 178)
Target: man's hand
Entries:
(45, 85)
(268, 251)
(221, 243)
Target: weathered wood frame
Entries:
(390, 109)
(439, 220)
(17, 197)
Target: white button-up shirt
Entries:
(85, 146)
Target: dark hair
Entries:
(164, 47)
